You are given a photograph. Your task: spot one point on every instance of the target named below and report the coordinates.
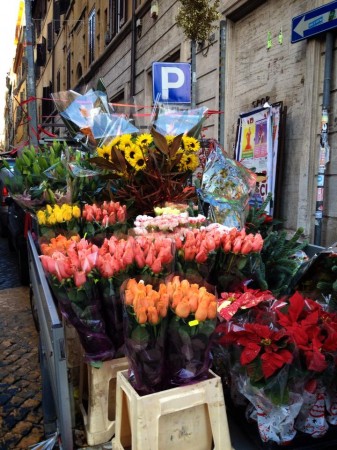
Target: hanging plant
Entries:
(197, 17)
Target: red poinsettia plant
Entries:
(313, 331)
(300, 337)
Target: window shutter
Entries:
(37, 71)
(45, 102)
(41, 54)
(57, 21)
(64, 5)
(49, 36)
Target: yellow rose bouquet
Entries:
(59, 219)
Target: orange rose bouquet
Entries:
(168, 328)
(145, 323)
(192, 321)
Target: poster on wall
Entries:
(256, 149)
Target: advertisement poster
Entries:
(256, 148)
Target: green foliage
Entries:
(276, 265)
(257, 221)
(197, 17)
(46, 174)
(320, 279)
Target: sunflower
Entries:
(125, 142)
(115, 141)
(169, 139)
(188, 163)
(191, 144)
(104, 151)
(135, 157)
(144, 140)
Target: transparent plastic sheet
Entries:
(276, 422)
(84, 313)
(92, 116)
(48, 444)
(112, 310)
(312, 416)
(225, 187)
(174, 122)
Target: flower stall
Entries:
(176, 287)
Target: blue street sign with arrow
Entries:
(314, 22)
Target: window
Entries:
(91, 33)
(117, 18)
(122, 12)
(112, 22)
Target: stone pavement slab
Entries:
(21, 423)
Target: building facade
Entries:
(248, 59)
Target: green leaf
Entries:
(140, 335)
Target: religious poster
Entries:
(256, 149)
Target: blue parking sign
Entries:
(171, 82)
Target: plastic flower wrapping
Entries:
(89, 117)
(225, 188)
(141, 170)
(280, 362)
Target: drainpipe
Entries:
(133, 51)
(324, 145)
(31, 87)
(194, 73)
(222, 83)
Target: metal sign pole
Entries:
(324, 153)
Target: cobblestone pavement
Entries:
(20, 383)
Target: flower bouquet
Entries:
(70, 268)
(103, 219)
(146, 170)
(145, 334)
(235, 250)
(314, 332)
(168, 328)
(192, 321)
(39, 177)
(55, 220)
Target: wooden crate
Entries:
(98, 399)
(185, 417)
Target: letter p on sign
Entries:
(172, 82)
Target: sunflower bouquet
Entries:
(145, 171)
